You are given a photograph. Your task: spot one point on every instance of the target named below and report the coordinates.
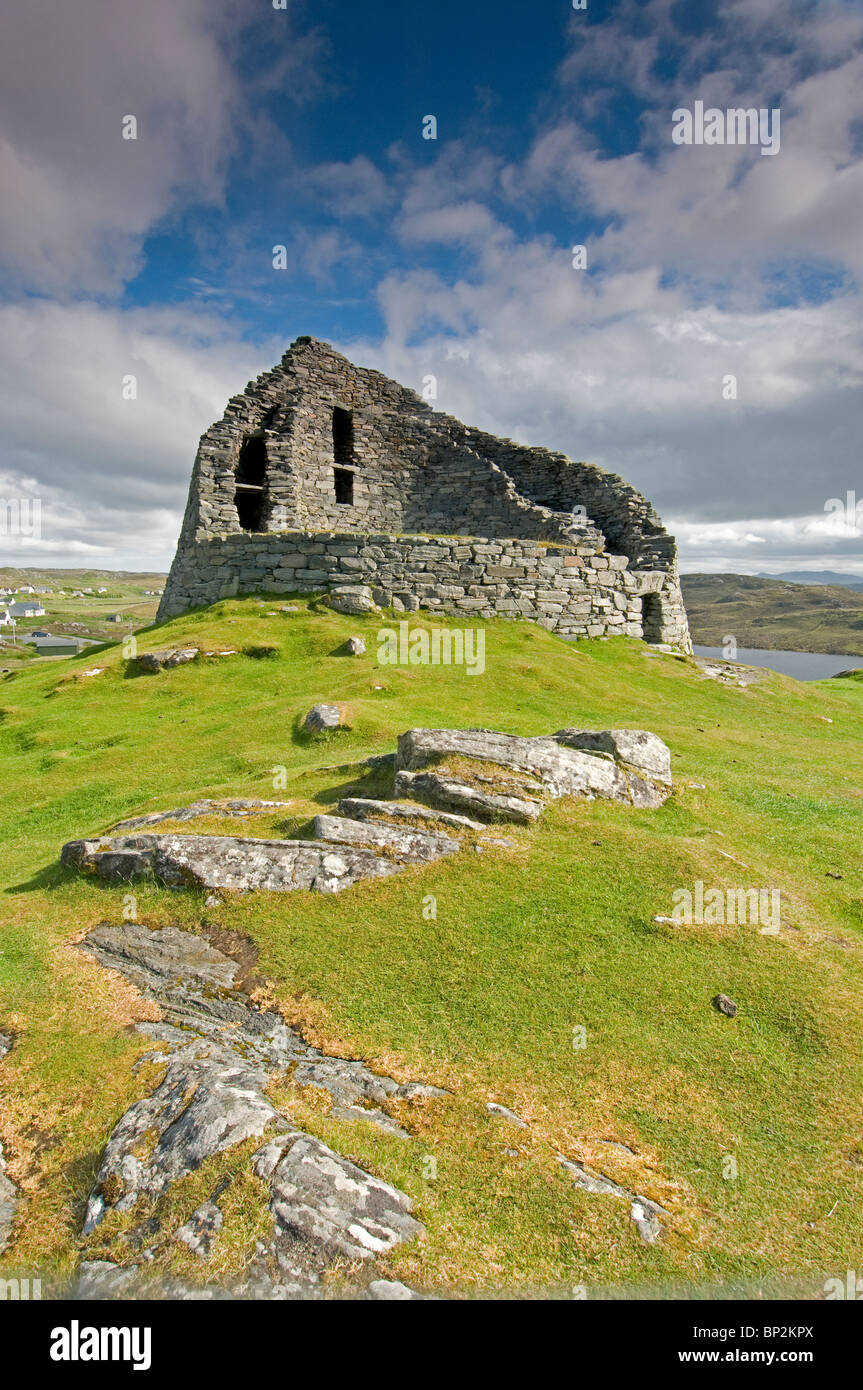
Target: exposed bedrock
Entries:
(600, 765)
(448, 782)
(219, 1051)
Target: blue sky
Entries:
(378, 70)
(302, 127)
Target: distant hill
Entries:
(128, 581)
(832, 577)
(773, 614)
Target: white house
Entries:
(30, 609)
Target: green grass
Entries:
(527, 945)
(773, 614)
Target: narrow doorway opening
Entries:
(651, 618)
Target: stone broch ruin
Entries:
(323, 475)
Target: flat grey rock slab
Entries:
(349, 1081)
(447, 793)
(193, 983)
(559, 770)
(593, 1182)
(154, 958)
(379, 1118)
(729, 672)
(646, 1215)
(319, 1196)
(392, 1291)
(221, 1049)
(102, 1279)
(361, 808)
(636, 747)
(408, 843)
(234, 806)
(9, 1194)
(504, 1112)
(216, 861)
(205, 1105)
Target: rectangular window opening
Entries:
(344, 480)
(343, 435)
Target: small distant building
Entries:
(58, 646)
(116, 618)
(26, 610)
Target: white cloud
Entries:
(78, 198)
(112, 474)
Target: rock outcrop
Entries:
(241, 807)
(167, 660)
(455, 782)
(8, 1204)
(219, 1053)
(325, 1199)
(321, 717)
(645, 1214)
(219, 861)
(625, 765)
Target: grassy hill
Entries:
(528, 945)
(773, 614)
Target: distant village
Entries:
(22, 606)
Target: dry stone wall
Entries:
(323, 473)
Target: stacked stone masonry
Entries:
(323, 474)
